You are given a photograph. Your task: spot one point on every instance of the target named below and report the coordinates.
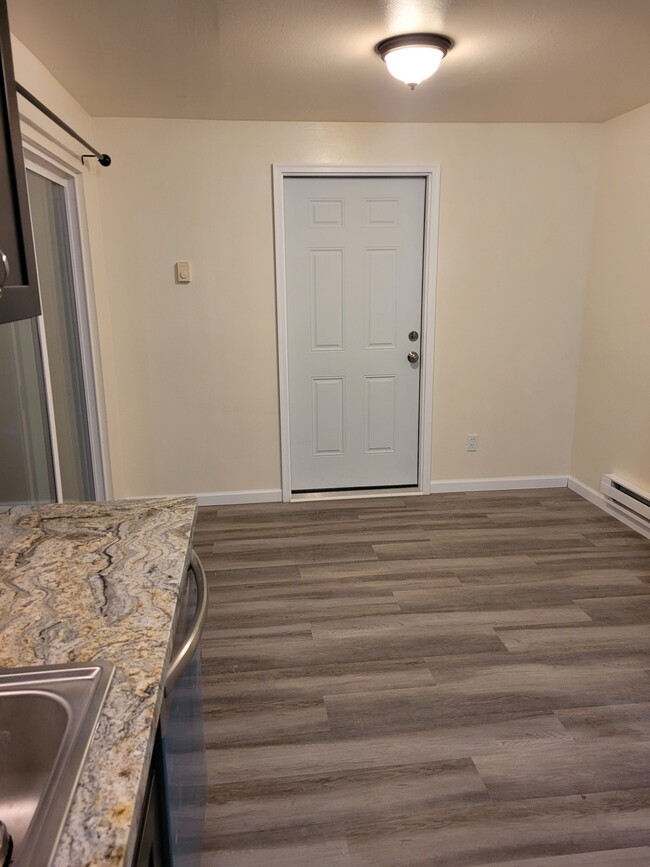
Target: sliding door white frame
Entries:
(70, 178)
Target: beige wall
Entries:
(612, 427)
(195, 366)
(34, 76)
(191, 372)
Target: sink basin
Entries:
(48, 718)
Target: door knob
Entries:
(413, 357)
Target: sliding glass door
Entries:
(49, 430)
(61, 320)
(26, 458)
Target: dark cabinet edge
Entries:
(19, 300)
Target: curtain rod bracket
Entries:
(104, 159)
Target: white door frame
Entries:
(431, 174)
(68, 174)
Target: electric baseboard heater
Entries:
(627, 498)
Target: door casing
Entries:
(431, 174)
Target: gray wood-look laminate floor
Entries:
(458, 679)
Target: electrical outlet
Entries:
(472, 442)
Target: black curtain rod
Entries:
(103, 159)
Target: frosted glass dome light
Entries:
(414, 57)
(413, 63)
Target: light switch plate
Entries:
(182, 272)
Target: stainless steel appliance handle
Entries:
(189, 646)
(5, 270)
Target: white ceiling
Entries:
(513, 60)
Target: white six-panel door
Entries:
(354, 249)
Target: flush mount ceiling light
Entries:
(413, 57)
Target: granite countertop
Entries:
(85, 581)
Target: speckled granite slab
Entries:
(99, 581)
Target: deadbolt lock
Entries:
(413, 335)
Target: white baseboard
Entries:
(230, 498)
(274, 495)
(507, 483)
(614, 511)
(223, 498)
(588, 493)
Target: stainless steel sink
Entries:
(48, 718)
